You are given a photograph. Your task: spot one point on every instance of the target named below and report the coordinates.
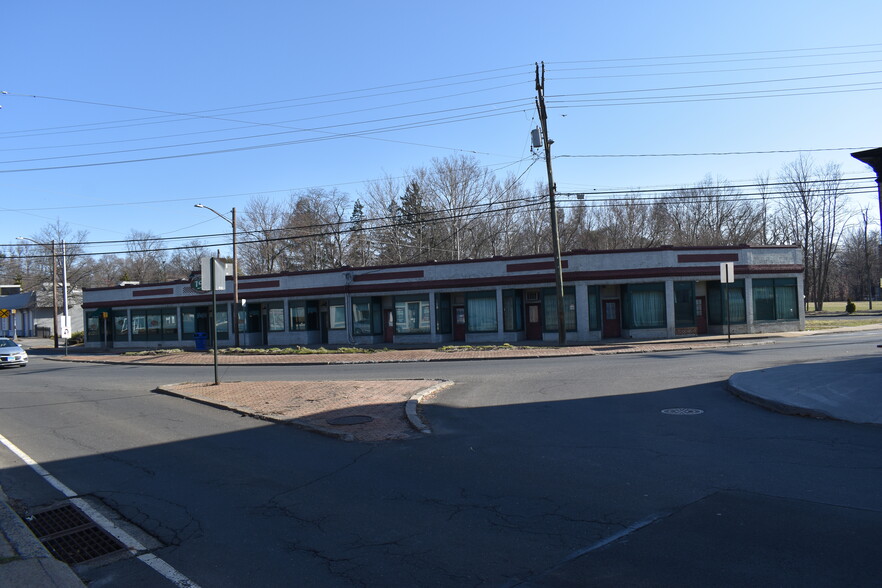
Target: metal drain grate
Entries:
(70, 536)
(683, 411)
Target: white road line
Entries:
(133, 545)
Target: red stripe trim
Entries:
(699, 258)
(157, 292)
(388, 276)
(535, 266)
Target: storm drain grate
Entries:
(70, 536)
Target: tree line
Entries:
(455, 209)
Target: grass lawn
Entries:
(839, 306)
(820, 324)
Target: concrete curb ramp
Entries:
(849, 390)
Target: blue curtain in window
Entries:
(482, 315)
(785, 301)
(763, 300)
(647, 309)
(737, 306)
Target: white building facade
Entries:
(608, 295)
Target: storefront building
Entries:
(630, 294)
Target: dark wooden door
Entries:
(534, 321)
(612, 321)
(701, 315)
(389, 326)
(459, 323)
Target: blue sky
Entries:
(93, 84)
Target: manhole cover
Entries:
(683, 411)
(70, 536)
(355, 419)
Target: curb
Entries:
(27, 562)
(281, 361)
(290, 422)
(410, 410)
(412, 405)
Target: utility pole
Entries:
(555, 236)
(54, 296)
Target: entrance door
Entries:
(534, 322)
(254, 320)
(324, 323)
(459, 323)
(389, 325)
(612, 322)
(701, 315)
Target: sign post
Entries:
(727, 276)
(215, 271)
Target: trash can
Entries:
(201, 340)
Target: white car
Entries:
(12, 354)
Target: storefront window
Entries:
(412, 314)
(775, 299)
(120, 325)
(170, 324)
(716, 303)
(337, 316)
(139, 325)
(481, 312)
(366, 316)
(684, 304)
(644, 306)
(93, 327)
(512, 310)
(297, 315)
(443, 319)
(549, 304)
(276, 312)
(593, 308)
(223, 324)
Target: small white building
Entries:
(631, 294)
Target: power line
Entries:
(711, 153)
(686, 193)
(205, 114)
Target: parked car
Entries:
(12, 354)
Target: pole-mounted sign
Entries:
(727, 276)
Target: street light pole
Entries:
(235, 270)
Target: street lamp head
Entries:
(199, 205)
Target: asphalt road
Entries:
(549, 472)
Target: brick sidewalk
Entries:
(319, 406)
(401, 355)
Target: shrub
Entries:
(850, 307)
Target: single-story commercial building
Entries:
(30, 314)
(649, 293)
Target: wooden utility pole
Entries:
(555, 236)
(54, 296)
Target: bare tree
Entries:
(183, 261)
(814, 206)
(316, 229)
(454, 187)
(144, 262)
(261, 229)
